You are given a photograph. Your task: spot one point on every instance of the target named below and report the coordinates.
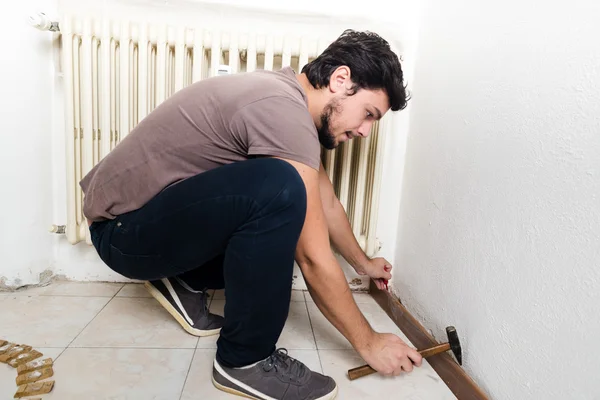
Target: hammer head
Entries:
(454, 343)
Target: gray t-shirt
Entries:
(210, 123)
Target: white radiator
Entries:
(115, 73)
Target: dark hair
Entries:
(372, 63)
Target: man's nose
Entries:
(365, 129)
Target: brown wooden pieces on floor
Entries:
(13, 352)
(32, 389)
(31, 369)
(34, 376)
(34, 365)
(24, 358)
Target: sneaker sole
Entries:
(237, 390)
(169, 307)
(232, 391)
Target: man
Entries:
(221, 186)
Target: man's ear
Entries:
(340, 81)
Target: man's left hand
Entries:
(379, 269)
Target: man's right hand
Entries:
(389, 355)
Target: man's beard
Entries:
(327, 138)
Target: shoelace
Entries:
(205, 300)
(286, 365)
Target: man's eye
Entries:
(369, 114)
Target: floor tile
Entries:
(8, 374)
(217, 307)
(199, 385)
(420, 384)
(80, 289)
(310, 358)
(297, 332)
(297, 295)
(133, 290)
(124, 374)
(47, 321)
(135, 322)
(328, 337)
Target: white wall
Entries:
(26, 82)
(500, 219)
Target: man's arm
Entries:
(324, 277)
(340, 231)
(343, 239)
(327, 284)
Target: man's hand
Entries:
(389, 355)
(379, 269)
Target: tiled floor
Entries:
(113, 341)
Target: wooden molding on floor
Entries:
(444, 364)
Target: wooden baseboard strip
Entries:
(444, 364)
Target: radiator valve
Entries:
(60, 229)
(43, 23)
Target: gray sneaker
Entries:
(189, 307)
(279, 377)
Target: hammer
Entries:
(452, 344)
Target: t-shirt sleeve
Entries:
(280, 127)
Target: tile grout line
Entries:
(188, 372)
(312, 329)
(68, 346)
(95, 316)
(59, 354)
(212, 298)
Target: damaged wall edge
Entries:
(45, 278)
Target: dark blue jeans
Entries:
(235, 226)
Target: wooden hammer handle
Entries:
(365, 370)
(359, 372)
